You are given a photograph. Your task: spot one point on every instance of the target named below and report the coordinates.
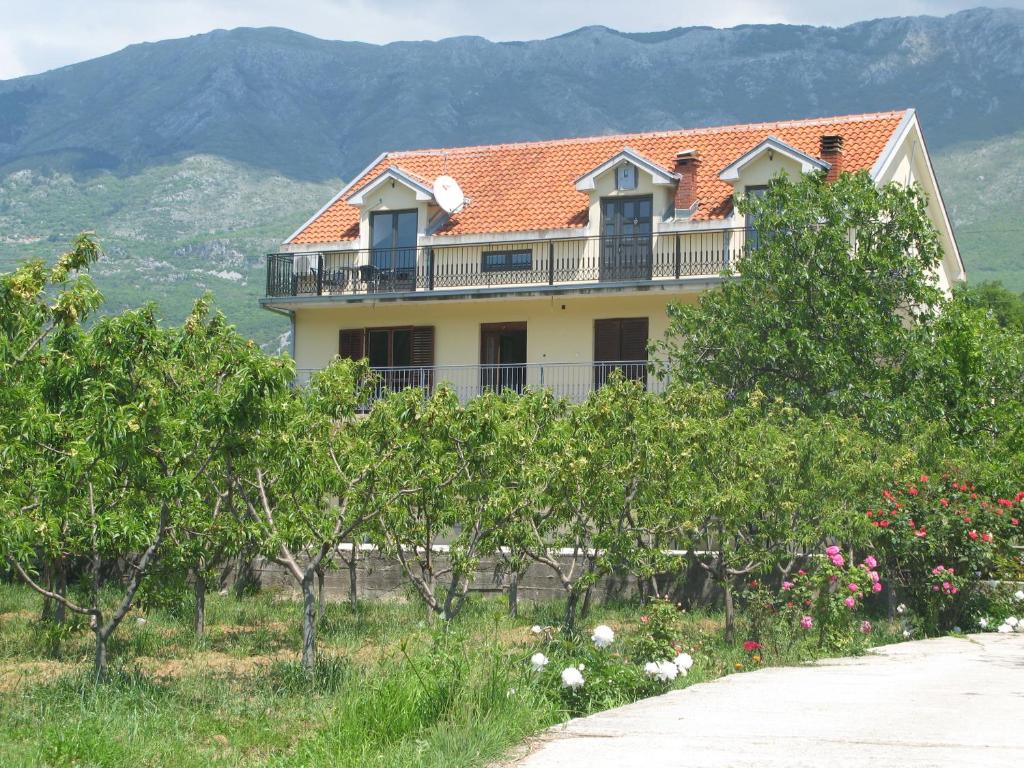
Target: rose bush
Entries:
(940, 540)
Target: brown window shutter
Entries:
(634, 339)
(350, 343)
(423, 345)
(606, 339)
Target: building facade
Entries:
(560, 258)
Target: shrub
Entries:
(939, 540)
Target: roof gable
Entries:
(530, 186)
(392, 173)
(772, 144)
(660, 175)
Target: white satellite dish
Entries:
(448, 194)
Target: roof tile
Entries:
(531, 185)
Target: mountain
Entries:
(158, 146)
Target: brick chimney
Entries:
(686, 190)
(831, 152)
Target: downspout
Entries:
(290, 314)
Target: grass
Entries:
(390, 688)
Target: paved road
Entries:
(942, 702)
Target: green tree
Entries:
(312, 480)
(1005, 306)
(604, 474)
(36, 301)
(130, 432)
(825, 311)
(763, 485)
(969, 375)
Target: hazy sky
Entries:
(36, 35)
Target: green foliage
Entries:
(1005, 306)
(827, 304)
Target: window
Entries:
(625, 176)
(620, 344)
(507, 261)
(389, 347)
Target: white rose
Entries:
(603, 636)
(1018, 595)
(684, 661)
(1004, 628)
(536, 629)
(1012, 621)
(539, 661)
(983, 623)
(571, 678)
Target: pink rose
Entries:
(849, 602)
(787, 585)
(870, 561)
(806, 622)
(876, 587)
(833, 550)
(865, 627)
(852, 586)
(873, 575)
(838, 560)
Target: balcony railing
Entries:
(569, 261)
(571, 381)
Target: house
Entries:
(558, 262)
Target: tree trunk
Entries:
(353, 583)
(730, 611)
(321, 599)
(61, 588)
(513, 594)
(200, 615)
(585, 610)
(47, 613)
(100, 659)
(570, 610)
(308, 625)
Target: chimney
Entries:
(832, 153)
(686, 190)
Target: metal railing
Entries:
(664, 256)
(571, 381)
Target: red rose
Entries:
(751, 645)
(972, 535)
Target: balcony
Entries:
(570, 381)
(512, 264)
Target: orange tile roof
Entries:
(531, 185)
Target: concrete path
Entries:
(942, 702)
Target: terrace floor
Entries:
(951, 701)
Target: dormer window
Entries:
(625, 177)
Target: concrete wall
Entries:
(380, 578)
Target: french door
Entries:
(393, 240)
(626, 227)
(503, 356)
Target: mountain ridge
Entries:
(193, 157)
(315, 109)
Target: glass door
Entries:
(626, 228)
(393, 258)
(503, 356)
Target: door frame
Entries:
(615, 242)
(502, 375)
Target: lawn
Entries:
(391, 689)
